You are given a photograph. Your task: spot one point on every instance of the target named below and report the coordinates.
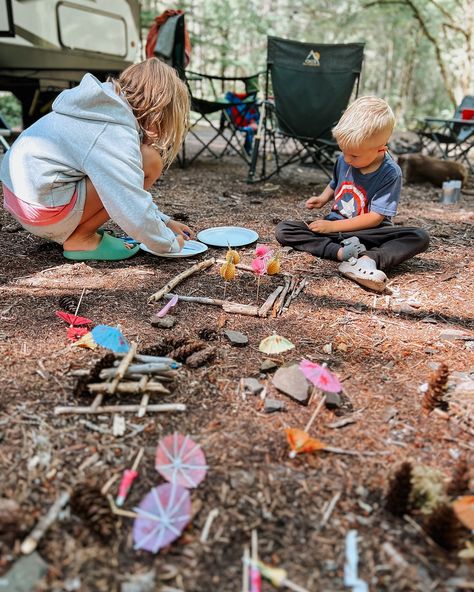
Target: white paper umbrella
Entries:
(180, 460)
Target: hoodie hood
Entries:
(96, 101)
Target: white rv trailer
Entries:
(48, 45)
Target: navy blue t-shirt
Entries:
(356, 193)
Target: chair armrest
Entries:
(224, 78)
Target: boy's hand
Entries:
(180, 229)
(316, 201)
(322, 226)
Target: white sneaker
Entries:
(364, 271)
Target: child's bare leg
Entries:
(85, 237)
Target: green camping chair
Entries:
(451, 138)
(308, 86)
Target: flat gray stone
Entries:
(292, 382)
(25, 574)
(165, 322)
(453, 334)
(252, 385)
(236, 338)
(268, 366)
(272, 405)
(333, 401)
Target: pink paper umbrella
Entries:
(320, 376)
(163, 514)
(180, 460)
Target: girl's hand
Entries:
(180, 240)
(180, 229)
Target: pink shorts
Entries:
(55, 223)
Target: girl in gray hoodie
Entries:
(94, 157)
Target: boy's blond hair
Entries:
(160, 102)
(365, 118)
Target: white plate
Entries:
(190, 249)
(224, 236)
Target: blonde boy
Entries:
(365, 190)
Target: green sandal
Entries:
(109, 249)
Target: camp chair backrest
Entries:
(463, 131)
(170, 43)
(312, 84)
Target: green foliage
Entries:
(419, 53)
(10, 109)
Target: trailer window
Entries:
(88, 29)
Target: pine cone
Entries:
(397, 500)
(92, 507)
(184, 351)
(459, 484)
(80, 389)
(208, 334)
(158, 349)
(200, 357)
(437, 385)
(444, 527)
(68, 303)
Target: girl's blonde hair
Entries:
(365, 118)
(160, 102)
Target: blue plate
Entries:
(190, 249)
(225, 236)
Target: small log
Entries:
(244, 309)
(269, 302)
(129, 387)
(119, 409)
(179, 278)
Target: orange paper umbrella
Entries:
(464, 509)
(300, 441)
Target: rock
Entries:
(252, 385)
(327, 348)
(9, 515)
(144, 582)
(469, 345)
(453, 334)
(163, 322)
(333, 401)
(236, 338)
(25, 574)
(292, 382)
(268, 366)
(272, 405)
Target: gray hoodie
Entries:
(93, 133)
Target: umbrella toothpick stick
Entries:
(255, 575)
(79, 303)
(128, 478)
(245, 569)
(315, 413)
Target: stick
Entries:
(149, 368)
(330, 508)
(197, 299)
(119, 408)
(244, 309)
(179, 278)
(145, 398)
(269, 302)
(119, 511)
(130, 387)
(291, 289)
(207, 526)
(279, 302)
(152, 359)
(245, 569)
(32, 540)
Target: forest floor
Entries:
(382, 347)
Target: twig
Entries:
(151, 359)
(299, 288)
(330, 508)
(231, 307)
(245, 569)
(32, 540)
(179, 278)
(150, 368)
(197, 299)
(269, 302)
(145, 398)
(119, 408)
(129, 387)
(119, 511)
(207, 526)
(278, 304)
(291, 289)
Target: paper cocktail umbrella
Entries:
(274, 266)
(180, 460)
(72, 319)
(300, 441)
(320, 376)
(163, 514)
(86, 341)
(232, 256)
(75, 333)
(464, 509)
(227, 271)
(111, 338)
(275, 344)
(262, 251)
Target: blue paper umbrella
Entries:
(111, 338)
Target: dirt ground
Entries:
(381, 355)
